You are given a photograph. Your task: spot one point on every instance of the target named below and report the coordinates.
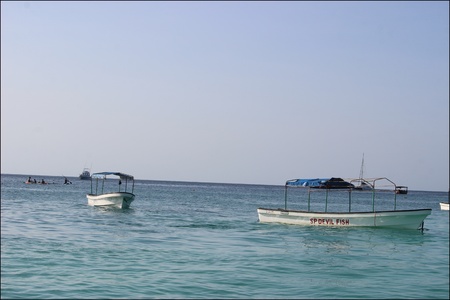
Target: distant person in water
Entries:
(29, 179)
(35, 180)
(66, 181)
(43, 181)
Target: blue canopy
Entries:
(328, 183)
(307, 182)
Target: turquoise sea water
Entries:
(203, 240)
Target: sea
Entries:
(190, 240)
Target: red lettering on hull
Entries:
(343, 222)
(340, 222)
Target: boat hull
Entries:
(117, 199)
(444, 205)
(407, 219)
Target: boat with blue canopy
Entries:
(112, 189)
(369, 217)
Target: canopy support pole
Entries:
(309, 199)
(395, 200)
(373, 198)
(285, 197)
(349, 200)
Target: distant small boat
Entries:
(107, 194)
(362, 186)
(86, 174)
(444, 205)
(401, 189)
(33, 181)
(39, 182)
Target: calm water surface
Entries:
(200, 240)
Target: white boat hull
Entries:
(444, 205)
(117, 199)
(408, 219)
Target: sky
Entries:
(227, 92)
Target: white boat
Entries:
(362, 185)
(86, 174)
(401, 189)
(110, 192)
(444, 205)
(405, 219)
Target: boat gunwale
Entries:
(343, 213)
(110, 194)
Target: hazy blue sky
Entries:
(233, 92)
